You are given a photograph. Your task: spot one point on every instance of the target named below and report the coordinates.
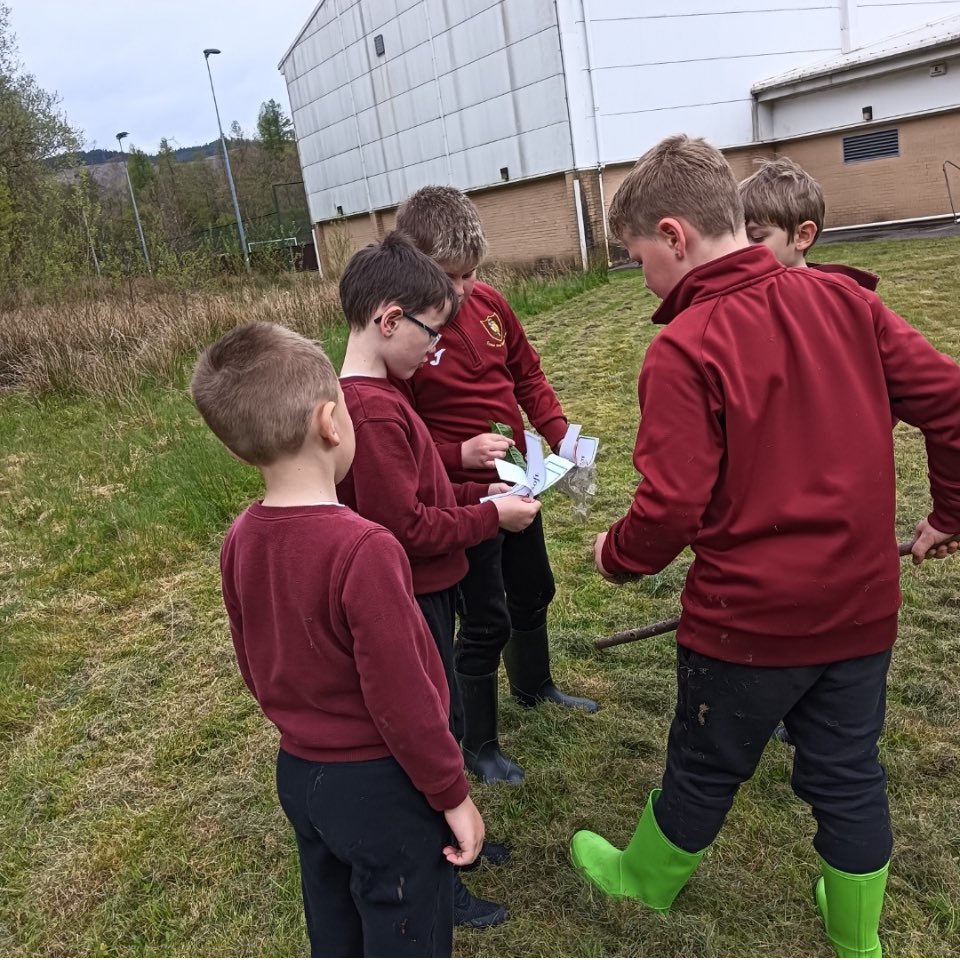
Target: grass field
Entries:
(137, 810)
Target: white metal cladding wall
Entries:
(464, 89)
(891, 96)
(872, 20)
(665, 66)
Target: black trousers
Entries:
(440, 611)
(725, 715)
(508, 586)
(374, 878)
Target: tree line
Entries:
(62, 220)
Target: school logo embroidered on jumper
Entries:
(494, 326)
(437, 354)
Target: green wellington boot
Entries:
(850, 906)
(651, 869)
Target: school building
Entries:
(538, 108)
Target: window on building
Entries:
(873, 144)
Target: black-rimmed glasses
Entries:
(429, 330)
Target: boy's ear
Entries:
(674, 235)
(805, 235)
(324, 424)
(389, 315)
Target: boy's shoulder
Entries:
(861, 277)
(373, 399)
(484, 295)
(331, 529)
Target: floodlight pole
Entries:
(226, 159)
(133, 199)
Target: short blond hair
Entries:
(445, 224)
(680, 177)
(782, 193)
(257, 386)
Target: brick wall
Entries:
(908, 186)
(535, 224)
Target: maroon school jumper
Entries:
(398, 480)
(484, 370)
(765, 444)
(332, 645)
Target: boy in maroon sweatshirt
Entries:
(331, 644)
(784, 210)
(765, 445)
(397, 303)
(484, 371)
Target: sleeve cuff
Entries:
(450, 797)
(451, 456)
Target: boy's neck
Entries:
(300, 479)
(708, 249)
(363, 357)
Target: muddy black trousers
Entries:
(726, 714)
(374, 878)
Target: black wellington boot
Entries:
(527, 660)
(481, 745)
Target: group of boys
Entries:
(764, 444)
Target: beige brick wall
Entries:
(530, 222)
(535, 224)
(906, 187)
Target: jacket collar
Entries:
(717, 277)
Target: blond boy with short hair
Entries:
(331, 644)
(765, 445)
(487, 371)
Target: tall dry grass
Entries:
(103, 340)
(105, 345)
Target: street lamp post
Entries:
(133, 199)
(226, 160)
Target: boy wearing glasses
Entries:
(487, 371)
(397, 303)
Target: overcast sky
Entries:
(137, 65)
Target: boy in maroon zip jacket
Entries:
(333, 647)
(784, 210)
(765, 444)
(486, 370)
(397, 303)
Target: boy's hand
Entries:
(467, 827)
(517, 513)
(930, 543)
(598, 562)
(498, 488)
(481, 451)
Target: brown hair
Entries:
(445, 224)
(392, 271)
(681, 177)
(257, 386)
(781, 193)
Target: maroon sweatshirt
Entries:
(765, 444)
(332, 645)
(484, 369)
(398, 480)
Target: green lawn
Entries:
(137, 810)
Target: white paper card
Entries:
(540, 474)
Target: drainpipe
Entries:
(588, 37)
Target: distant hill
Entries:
(98, 156)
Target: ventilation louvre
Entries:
(873, 144)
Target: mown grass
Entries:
(137, 811)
